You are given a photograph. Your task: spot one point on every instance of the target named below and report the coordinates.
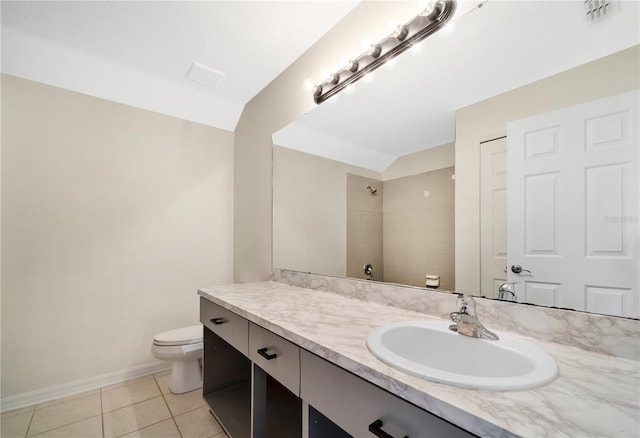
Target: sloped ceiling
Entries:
(139, 53)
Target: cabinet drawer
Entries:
(353, 404)
(231, 327)
(275, 355)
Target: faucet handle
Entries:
(507, 288)
(467, 304)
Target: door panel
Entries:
(573, 206)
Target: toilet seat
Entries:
(181, 336)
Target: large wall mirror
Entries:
(408, 179)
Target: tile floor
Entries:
(140, 408)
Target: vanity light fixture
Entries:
(403, 37)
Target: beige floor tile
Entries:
(89, 428)
(17, 412)
(134, 417)
(127, 383)
(65, 413)
(198, 423)
(16, 425)
(165, 429)
(66, 399)
(163, 382)
(181, 403)
(163, 372)
(125, 395)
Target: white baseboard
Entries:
(66, 389)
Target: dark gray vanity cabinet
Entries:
(226, 384)
(361, 409)
(251, 378)
(260, 385)
(276, 385)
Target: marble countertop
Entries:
(594, 395)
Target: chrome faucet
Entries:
(466, 322)
(507, 288)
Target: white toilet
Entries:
(183, 349)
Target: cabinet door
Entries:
(354, 404)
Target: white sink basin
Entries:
(428, 349)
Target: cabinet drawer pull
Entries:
(263, 352)
(217, 321)
(376, 429)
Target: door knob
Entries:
(517, 269)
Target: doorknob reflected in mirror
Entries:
(517, 269)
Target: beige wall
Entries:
(613, 74)
(281, 102)
(112, 217)
(310, 193)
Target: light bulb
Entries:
(366, 44)
(432, 10)
(308, 85)
(447, 30)
(416, 49)
(374, 50)
(400, 32)
(390, 64)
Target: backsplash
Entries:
(592, 332)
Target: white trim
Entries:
(67, 389)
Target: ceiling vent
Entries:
(598, 9)
(204, 75)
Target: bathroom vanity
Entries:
(286, 377)
(287, 361)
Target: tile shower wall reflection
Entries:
(364, 226)
(419, 228)
(405, 229)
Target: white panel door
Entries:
(573, 207)
(493, 216)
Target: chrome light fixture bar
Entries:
(405, 36)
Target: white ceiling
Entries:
(139, 53)
(491, 50)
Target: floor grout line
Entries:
(60, 427)
(33, 414)
(173, 418)
(102, 414)
(139, 429)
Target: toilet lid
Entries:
(181, 336)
